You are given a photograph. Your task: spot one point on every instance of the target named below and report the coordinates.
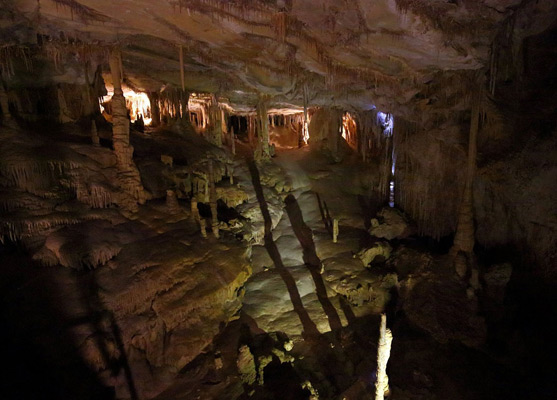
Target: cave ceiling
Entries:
(395, 54)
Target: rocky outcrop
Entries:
(390, 224)
(379, 250)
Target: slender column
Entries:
(251, 129)
(464, 237)
(182, 77)
(233, 138)
(213, 201)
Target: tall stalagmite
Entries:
(128, 174)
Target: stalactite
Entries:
(182, 77)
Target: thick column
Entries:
(129, 178)
(262, 151)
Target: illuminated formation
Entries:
(383, 354)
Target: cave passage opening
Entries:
(137, 103)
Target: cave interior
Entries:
(278, 199)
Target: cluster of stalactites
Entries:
(169, 105)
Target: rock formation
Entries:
(128, 176)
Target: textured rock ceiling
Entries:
(354, 53)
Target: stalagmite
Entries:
(172, 202)
(464, 237)
(335, 230)
(194, 210)
(383, 354)
(213, 201)
(94, 135)
(128, 175)
(203, 226)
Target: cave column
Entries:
(213, 200)
(215, 123)
(155, 108)
(262, 151)
(251, 129)
(128, 174)
(465, 237)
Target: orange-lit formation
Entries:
(137, 103)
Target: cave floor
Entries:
(305, 317)
(291, 296)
